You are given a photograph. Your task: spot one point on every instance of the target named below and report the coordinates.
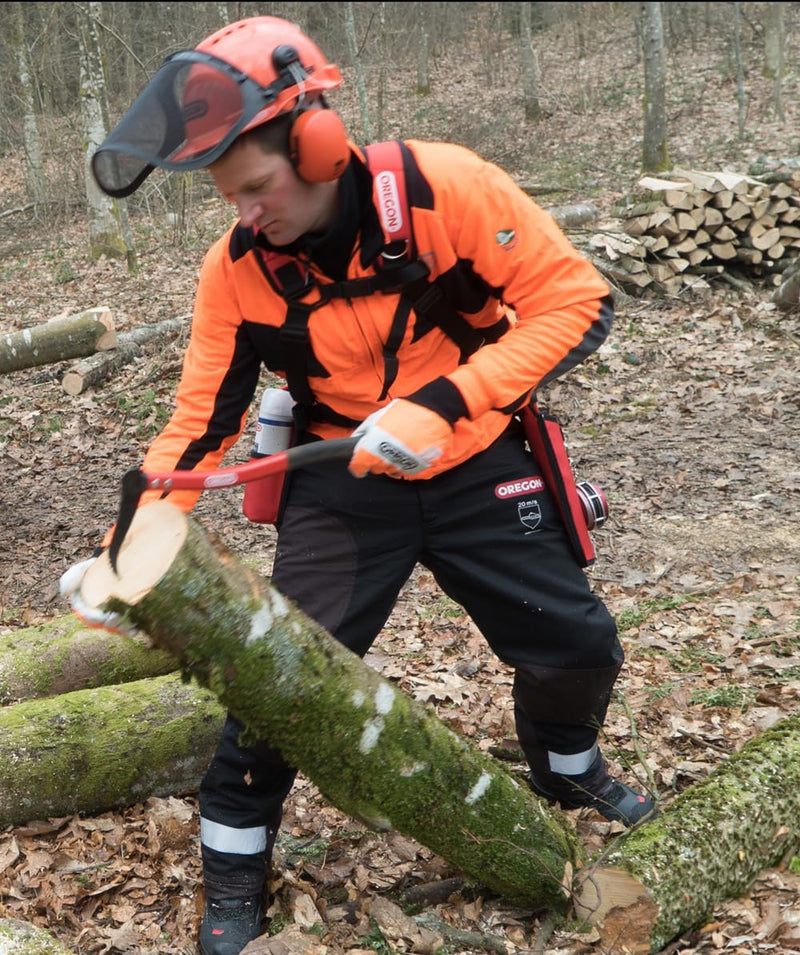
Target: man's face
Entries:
(270, 196)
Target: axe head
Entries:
(134, 483)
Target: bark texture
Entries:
(95, 750)
(22, 938)
(58, 340)
(708, 845)
(62, 655)
(372, 750)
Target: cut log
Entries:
(384, 758)
(707, 846)
(60, 339)
(572, 216)
(107, 748)
(22, 938)
(63, 655)
(97, 368)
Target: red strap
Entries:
(391, 199)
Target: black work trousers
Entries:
(490, 533)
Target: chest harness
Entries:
(398, 270)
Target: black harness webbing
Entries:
(399, 271)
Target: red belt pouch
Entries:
(546, 441)
(261, 503)
(262, 499)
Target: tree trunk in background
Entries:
(105, 231)
(60, 339)
(382, 758)
(741, 99)
(533, 110)
(423, 86)
(34, 170)
(361, 87)
(655, 157)
(774, 37)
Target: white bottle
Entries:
(275, 422)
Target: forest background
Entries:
(687, 416)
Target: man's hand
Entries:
(70, 586)
(401, 439)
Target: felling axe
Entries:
(135, 482)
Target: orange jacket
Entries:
(495, 252)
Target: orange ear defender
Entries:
(318, 146)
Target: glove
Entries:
(401, 439)
(69, 586)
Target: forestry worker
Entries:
(428, 367)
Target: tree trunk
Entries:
(708, 845)
(22, 938)
(63, 655)
(58, 340)
(371, 750)
(95, 750)
(655, 154)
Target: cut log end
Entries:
(155, 537)
(619, 907)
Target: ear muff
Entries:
(318, 146)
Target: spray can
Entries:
(274, 430)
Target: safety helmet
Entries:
(243, 75)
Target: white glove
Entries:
(69, 586)
(403, 438)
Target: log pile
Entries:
(681, 231)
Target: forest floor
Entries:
(688, 417)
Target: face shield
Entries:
(185, 118)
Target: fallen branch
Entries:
(97, 368)
(60, 339)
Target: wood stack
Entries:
(680, 230)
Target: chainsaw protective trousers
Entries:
(491, 536)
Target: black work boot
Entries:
(595, 789)
(229, 924)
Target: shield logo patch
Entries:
(530, 514)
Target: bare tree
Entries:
(533, 110)
(352, 46)
(774, 40)
(740, 93)
(34, 171)
(655, 155)
(105, 231)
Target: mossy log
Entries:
(373, 751)
(22, 938)
(707, 846)
(63, 655)
(60, 339)
(106, 748)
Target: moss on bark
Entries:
(104, 748)
(63, 655)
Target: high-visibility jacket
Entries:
(497, 256)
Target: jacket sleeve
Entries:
(218, 380)
(562, 304)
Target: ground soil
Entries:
(687, 417)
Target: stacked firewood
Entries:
(678, 232)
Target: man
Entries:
(441, 474)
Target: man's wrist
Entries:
(443, 398)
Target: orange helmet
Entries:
(201, 100)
